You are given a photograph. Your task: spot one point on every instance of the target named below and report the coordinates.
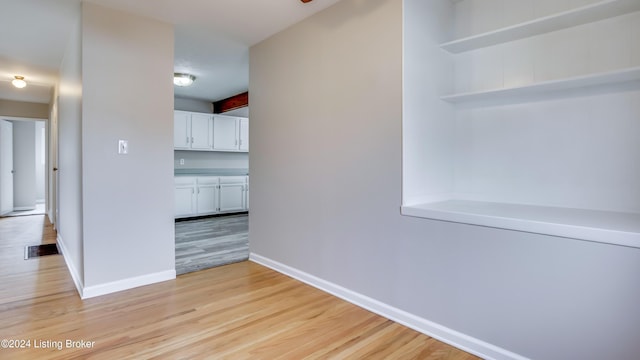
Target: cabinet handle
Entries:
(192, 139)
(187, 139)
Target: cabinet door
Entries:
(225, 133)
(243, 123)
(181, 130)
(184, 201)
(207, 199)
(232, 197)
(246, 195)
(201, 131)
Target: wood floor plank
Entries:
(237, 311)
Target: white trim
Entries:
(75, 276)
(437, 331)
(129, 283)
(23, 208)
(114, 286)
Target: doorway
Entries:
(23, 155)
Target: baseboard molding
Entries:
(114, 286)
(75, 276)
(23, 208)
(126, 284)
(434, 330)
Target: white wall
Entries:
(127, 199)
(211, 160)
(23, 109)
(69, 94)
(40, 128)
(193, 105)
(428, 144)
(241, 112)
(325, 163)
(24, 164)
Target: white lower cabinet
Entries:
(207, 190)
(207, 195)
(184, 195)
(232, 193)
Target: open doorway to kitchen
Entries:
(23, 156)
(211, 186)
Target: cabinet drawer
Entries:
(207, 180)
(184, 180)
(232, 179)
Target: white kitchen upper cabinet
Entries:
(181, 130)
(201, 131)
(207, 132)
(184, 195)
(244, 134)
(207, 195)
(192, 131)
(225, 133)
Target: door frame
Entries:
(48, 173)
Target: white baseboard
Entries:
(126, 284)
(434, 330)
(114, 286)
(23, 208)
(75, 276)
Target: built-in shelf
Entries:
(569, 84)
(591, 225)
(583, 15)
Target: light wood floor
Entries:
(238, 311)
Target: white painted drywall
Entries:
(40, 128)
(69, 94)
(211, 160)
(428, 144)
(193, 105)
(127, 202)
(23, 109)
(325, 163)
(241, 112)
(24, 164)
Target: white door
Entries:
(225, 133)
(181, 130)
(6, 167)
(232, 197)
(207, 199)
(244, 134)
(184, 201)
(201, 131)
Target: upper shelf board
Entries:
(583, 15)
(572, 84)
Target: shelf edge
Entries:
(563, 20)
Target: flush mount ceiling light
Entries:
(19, 82)
(181, 79)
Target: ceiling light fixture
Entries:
(19, 82)
(181, 79)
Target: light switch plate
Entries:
(123, 147)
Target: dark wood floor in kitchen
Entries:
(209, 242)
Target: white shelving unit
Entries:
(583, 15)
(431, 144)
(578, 83)
(600, 226)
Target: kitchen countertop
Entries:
(211, 172)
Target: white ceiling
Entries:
(212, 39)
